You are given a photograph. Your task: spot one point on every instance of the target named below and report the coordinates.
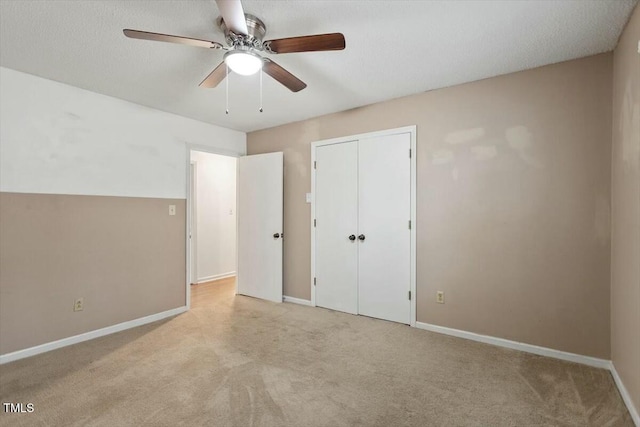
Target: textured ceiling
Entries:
(394, 48)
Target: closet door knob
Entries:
(276, 235)
(352, 237)
(361, 237)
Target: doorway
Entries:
(249, 240)
(212, 225)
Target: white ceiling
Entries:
(394, 48)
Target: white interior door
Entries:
(336, 214)
(259, 210)
(384, 211)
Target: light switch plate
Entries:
(308, 198)
(172, 210)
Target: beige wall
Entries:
(625, 210)
(513, 201)
(125, 256)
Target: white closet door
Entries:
(259, 209)
(336, 201)
(384, 193)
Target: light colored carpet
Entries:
(234, 360)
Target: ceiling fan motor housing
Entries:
(253, 40)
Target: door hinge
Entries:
(314, 222)
(409, 295)
(315, 166)
(409, 152)
(409, 224)
(314, 281)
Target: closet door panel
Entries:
(384, 185)
(336, 201)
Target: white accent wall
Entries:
(215, 216)
(59, 139)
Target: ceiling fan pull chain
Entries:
(227, 90)
(261, 92)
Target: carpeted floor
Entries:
(234, 360)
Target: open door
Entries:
(259, 200)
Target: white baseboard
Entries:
(296, 300)
(625, 395)
(32, 351)
(215, 277)
(529, 348)
(542, 351)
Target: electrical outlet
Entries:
(78, 305)
(440, 297)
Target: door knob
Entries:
(361, 237)
(276, 235)
(352, 237)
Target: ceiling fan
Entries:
(244, 33)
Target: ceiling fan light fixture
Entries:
(243, 62)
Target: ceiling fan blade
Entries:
(145, 35)
(318, 42)
(233, 15)
(215, 77)
(293, 83)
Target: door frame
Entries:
(211, 150)
(412, 130)
(192, 222)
